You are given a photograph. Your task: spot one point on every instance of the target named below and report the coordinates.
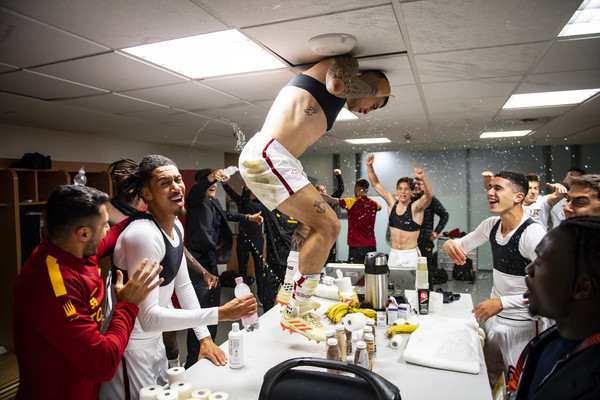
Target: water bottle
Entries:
(230, 171)
(80, 178)
(241, 289)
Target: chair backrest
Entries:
(282, 382)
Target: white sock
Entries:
(290, 271)
(304, 287)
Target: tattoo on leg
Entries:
(311, 110)
(320, 207)
(299, 237)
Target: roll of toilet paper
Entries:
(150, 392)
(201, 394)
(354, 321)
(399, 321)
(344, 284)
(183, 389)
(167, 395)
(396, 342)
(176, 374)
(218, 396)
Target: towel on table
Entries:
(445, 343)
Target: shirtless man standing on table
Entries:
(302, 112)
(405, 219)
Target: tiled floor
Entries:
(479, 291)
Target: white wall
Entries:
(65, 146)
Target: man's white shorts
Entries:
(404, 259)
(270, 170)
(510, 336)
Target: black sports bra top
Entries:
(403, 222)
(330, 104)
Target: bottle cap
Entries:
(369, 336)
(239, 279)
(370, 321)
(421, 260)
(330, 333)
(361, 345)
(235, 327)
(368, 329)
(339, 327)
(332, 342)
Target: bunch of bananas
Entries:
(393, 330)
(337, 311)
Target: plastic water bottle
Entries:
(230, 171)
(241, 289)
(80, 178)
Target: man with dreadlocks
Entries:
(158, 235)
(563, 284)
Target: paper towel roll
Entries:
(150, 392)
(183, 389)
(201, 394)
(176, 374)
(396, 342)
(167, 395)
(436, 301)
(344, 284)
(354, 321)
(219, 396)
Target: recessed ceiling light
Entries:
(585, 21)
(549, 99)
(345, 115)
(213, 54)
(368, 141)
(490, 135)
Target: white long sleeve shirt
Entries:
(509, 288)
(143, 239)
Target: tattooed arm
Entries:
(342, 80)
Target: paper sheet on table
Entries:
(445, 343)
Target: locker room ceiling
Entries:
(452, 65)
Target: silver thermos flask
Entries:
(376, 280)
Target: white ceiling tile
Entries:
(396, 69)
(376, 32)
(478, 63)
(26, 43)
(445, 25)
(190, 96)
(248, 13)
(122, 23)
(253, 87)
(32, 84)
(570, 55)
(111, 103)
(111, 71)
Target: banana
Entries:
(393, 330)
(336, 311)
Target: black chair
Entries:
(283, 383)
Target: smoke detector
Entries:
(332, 44)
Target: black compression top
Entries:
(405, 221)
(330, 104)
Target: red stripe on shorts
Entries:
(277, 174)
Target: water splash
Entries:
(198, 132)
(240, 136)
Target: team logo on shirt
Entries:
(69, 308)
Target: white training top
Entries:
(539, 211)
(509, 288)
(143, 239)
(558, 214)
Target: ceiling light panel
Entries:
(214, 54)
(549, 99)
